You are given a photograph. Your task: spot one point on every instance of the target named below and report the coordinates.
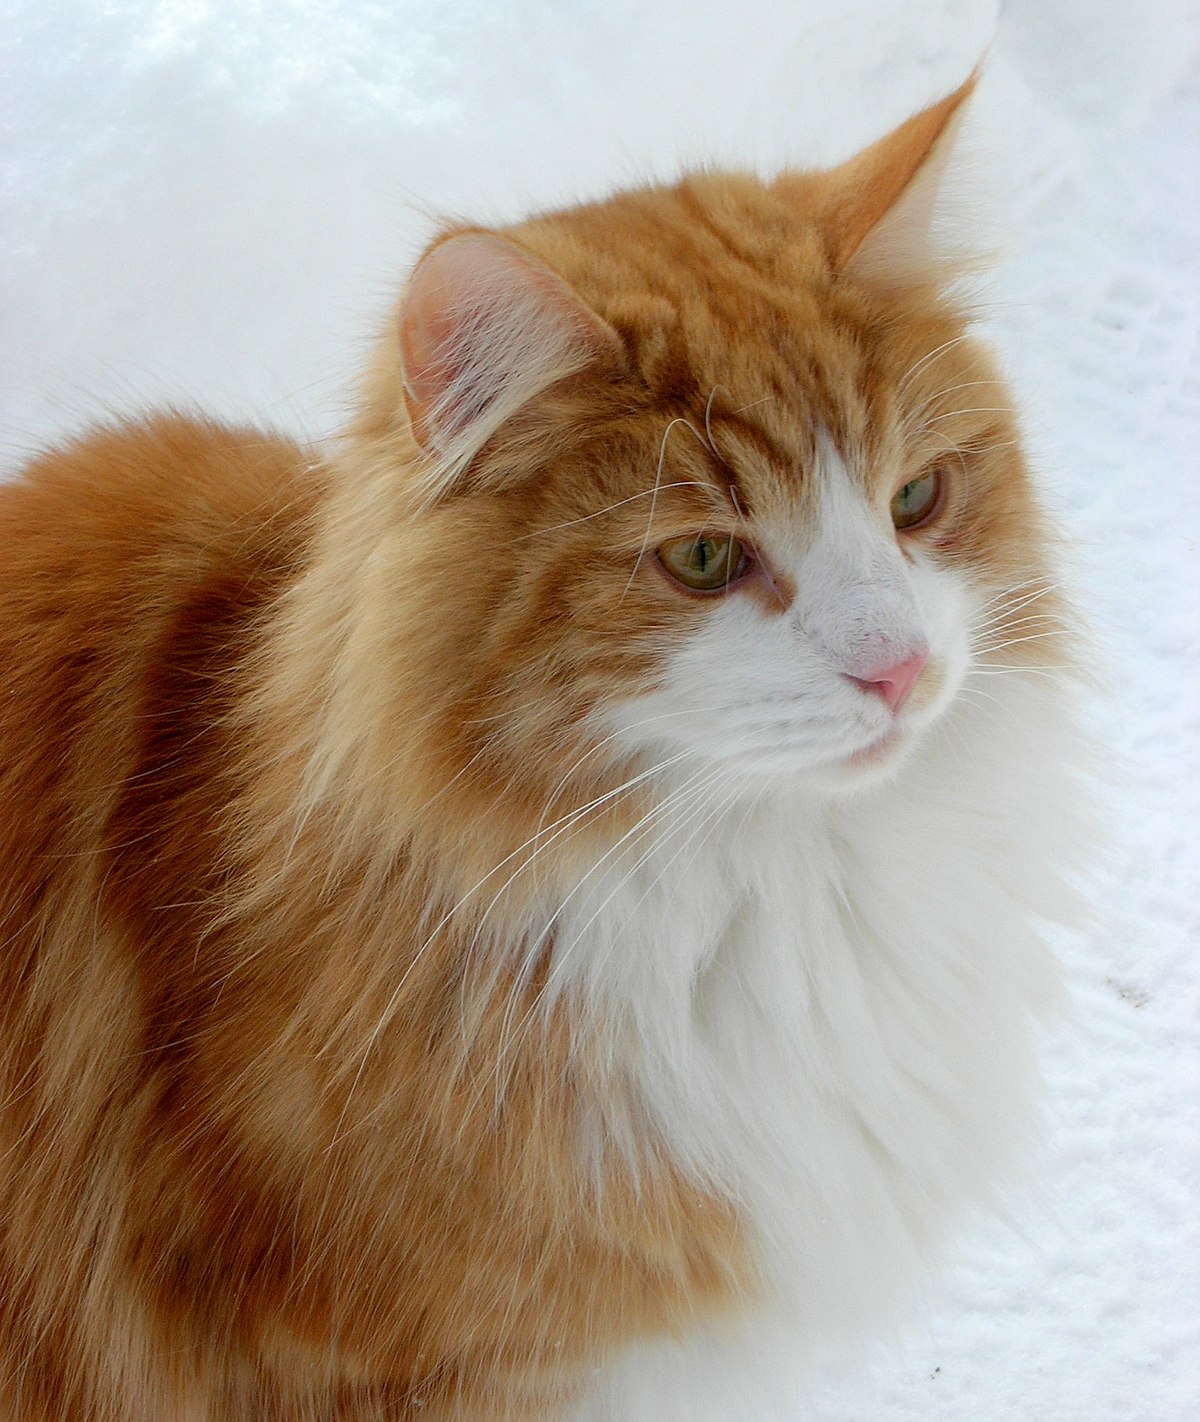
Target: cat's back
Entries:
(111, 527)
(136, 565)
(125, 554)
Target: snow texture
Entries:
(212, 202)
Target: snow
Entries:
(212, 201)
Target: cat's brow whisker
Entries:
(954, 389)
(737, 528)
(974, 410)
(912, 419)
(712, 444)
(753, 404)
(662, 458)
(958, 454)
(585, 518)
(920, 365)
(990, 446)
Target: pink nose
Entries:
(894, 683)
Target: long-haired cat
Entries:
(524, 915)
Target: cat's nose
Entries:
(894, 683)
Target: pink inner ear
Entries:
(459, 287)
(484, 327)
(426, 345)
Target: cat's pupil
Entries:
(701, 561)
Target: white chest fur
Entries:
(833, 1009)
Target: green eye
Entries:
(916, 501)
(705, 561)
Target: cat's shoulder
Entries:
(134, 562)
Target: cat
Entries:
(535, 912)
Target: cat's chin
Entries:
(880, 752)
(846, 774)
(880, 759)
(873, 764)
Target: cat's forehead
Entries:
(730, 316)
(774, 391)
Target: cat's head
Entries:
(703, 475)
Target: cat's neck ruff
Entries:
(827, 1006)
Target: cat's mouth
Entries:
(887, 750)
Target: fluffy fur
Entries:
(449, 968)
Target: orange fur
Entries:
(285, 1133)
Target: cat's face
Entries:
(830, 638)
(712, 494)
(783, 581)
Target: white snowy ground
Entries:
(213, 200)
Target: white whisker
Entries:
(608, 508)
(920, 365)
(662, 457)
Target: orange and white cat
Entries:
(532, 912)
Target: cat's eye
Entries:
(704, 561)
(917, 500)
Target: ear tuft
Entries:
(484, 327)
(877, 210)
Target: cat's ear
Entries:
(877, 210)
(484, 327)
